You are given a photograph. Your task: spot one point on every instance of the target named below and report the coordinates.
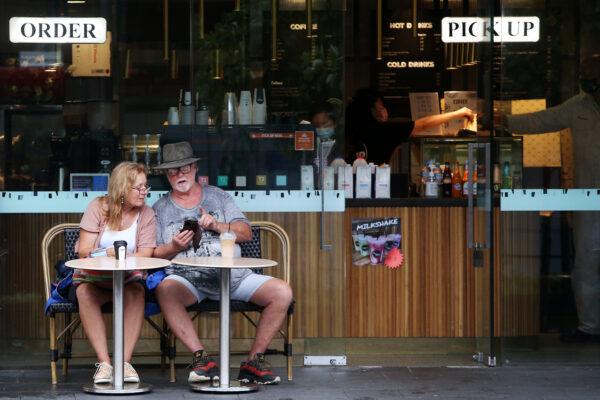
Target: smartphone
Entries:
(190, 225)
(98, 253)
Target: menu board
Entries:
(410, 59)
(522, 70)
(525, 70)
(306, 69)
(91, 59)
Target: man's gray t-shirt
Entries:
(169, 221)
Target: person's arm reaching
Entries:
(550, 120)
(424, 123)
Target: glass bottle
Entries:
(465, 180)
(456, 181)
(447, 181)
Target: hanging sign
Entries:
(304, 140)
(503, 29)
(91, 59)
(57, 30)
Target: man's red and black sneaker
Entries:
(204, 368)
(258, 371)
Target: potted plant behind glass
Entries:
(222, 61)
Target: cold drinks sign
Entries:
(502, 29)
(57, 30)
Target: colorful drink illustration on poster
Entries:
(377, 241)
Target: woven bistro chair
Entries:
(252, 249)
(69, 232)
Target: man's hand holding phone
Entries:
(189, 232)
(182, 240)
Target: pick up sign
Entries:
(502, 29)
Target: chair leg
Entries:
(172, 351)
(67, 346)
(163, 347)
(288, 347)
(53, 350)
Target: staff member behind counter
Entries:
(369, 130)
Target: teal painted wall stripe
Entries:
(248, 201)
(550, 200)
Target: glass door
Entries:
(480, 207)
(548, 251)
(480, 246)
(468, 54)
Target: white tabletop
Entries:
(110, 263)
(221, 262)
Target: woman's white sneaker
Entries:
(103, 373)
(129, 374)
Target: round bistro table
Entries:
(224, 265)
(119, 267)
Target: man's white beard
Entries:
(184, 186)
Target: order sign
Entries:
(57, 30)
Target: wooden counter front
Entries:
(437, 293)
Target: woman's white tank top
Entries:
(128, 235)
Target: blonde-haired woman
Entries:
(120, 215)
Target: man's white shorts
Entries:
(244, 291)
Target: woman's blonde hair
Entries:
(120, 183)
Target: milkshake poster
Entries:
(377, 241)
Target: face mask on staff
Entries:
(589, 86)
(325, 133)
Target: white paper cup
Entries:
(227, 240)
(173, 116)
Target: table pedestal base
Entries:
(234, 387)
(109, 388)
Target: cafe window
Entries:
(234, 77)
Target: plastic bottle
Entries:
(431, 186)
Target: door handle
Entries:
(323, 245)
(483, 191)
(470, 205)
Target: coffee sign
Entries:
(503, 29)
(57, 30)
